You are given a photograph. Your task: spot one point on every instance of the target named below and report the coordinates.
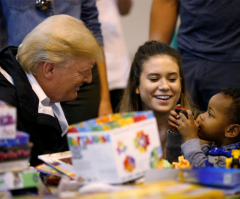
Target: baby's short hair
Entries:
(234, 109)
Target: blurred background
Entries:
(136, 25)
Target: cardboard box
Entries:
(7, 121)
(18, 180)
(220, 177)
(21, 138)
(116, 155)
(15, 158)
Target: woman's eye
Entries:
(172, 79)
(153, 79)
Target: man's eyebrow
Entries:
(90, 67)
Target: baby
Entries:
(219, 124)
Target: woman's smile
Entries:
(163, 99)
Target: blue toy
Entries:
(217, 154)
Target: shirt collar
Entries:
(45, 101)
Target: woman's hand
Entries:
(187, 127)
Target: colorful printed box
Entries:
(128, 147)
(220, 177)
(18, 180)
(21, 138)
(7, 121)
(15, 158)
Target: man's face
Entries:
(215, 121)
(68, 79)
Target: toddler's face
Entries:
(214, 121)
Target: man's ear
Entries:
(232, 131)
(48, 69)
(137, 90)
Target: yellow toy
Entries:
(234, 161)
(181, 164)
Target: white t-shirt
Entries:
(117, 57)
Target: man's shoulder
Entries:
(9, 49)
(7, 91)
(8, 58)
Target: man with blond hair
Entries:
(48, 67)
(18, 18)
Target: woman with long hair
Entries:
(156, 83)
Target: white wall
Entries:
(136, 25)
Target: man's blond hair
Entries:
(58, 39)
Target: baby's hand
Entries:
(172, 120)
(187, 127)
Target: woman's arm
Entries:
(90, 17)
(163, 20)
(124, 6)
(105, 106)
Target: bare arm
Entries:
(163, 20)
(124, 6)
(105, 103)
(89, 15)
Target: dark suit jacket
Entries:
(45, 131)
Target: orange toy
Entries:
(181, 164)
(103, 120)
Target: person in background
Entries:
(208, 41)
(156, 83)
(48, 67)
(219, 124)
(18, 18)
(116, 54)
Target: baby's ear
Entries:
(232, 131)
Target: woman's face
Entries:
(160, 84)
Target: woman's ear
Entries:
(137, 90)
(232, 131)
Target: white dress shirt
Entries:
(53, 109)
